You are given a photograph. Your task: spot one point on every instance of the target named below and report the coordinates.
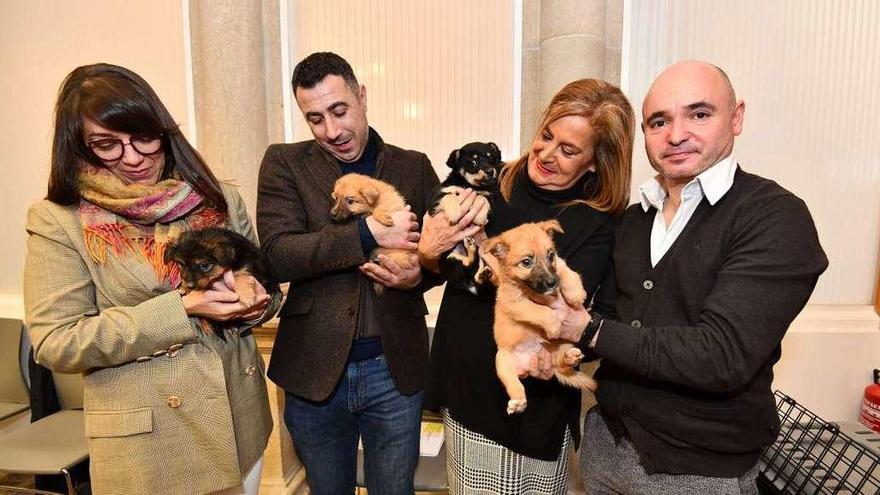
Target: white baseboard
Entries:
(11, 306)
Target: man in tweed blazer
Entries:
(352, 363)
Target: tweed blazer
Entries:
(320, 259)
(168, 409)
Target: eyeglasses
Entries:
(111, 149)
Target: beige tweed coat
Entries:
(168, 409)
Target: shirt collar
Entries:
(651, 193)
(714, 182)
(717, 180)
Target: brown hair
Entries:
(613, 122)
(121, 100)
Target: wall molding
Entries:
(12, 306)
(821, 318)
(817, 318)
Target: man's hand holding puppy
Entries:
(403, 234)
(391, 274)
(574, 320)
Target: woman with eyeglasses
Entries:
(169, 407)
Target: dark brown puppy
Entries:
(204, 255)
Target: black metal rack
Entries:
(813, 456)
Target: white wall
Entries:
(41, 41)
(809, 72)
(439, 73)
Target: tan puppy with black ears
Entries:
(359, 195)
(531, 278)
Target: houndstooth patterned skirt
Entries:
(475, 464)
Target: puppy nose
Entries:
(546, 285)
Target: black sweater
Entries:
(462, 364)
(687, 366)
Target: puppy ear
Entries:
(496, 150)
(551, 226)
(453, 157)
(371, 195)
(224, 254)
(494, 246)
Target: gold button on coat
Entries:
(174, 402)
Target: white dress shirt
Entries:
(712, 184)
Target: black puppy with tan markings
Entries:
(356, 195)
(533, 282)
(474, 166)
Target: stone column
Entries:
(238, 92)
(564, 40)
(236, 86)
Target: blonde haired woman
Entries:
(577, 171)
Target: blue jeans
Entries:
(366, 404)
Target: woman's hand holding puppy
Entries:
(222, 303)
(438, 236)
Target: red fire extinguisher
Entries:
(870, 415)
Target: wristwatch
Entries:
(593, 327)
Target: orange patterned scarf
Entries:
(139, 219)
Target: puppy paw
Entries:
(451, 207)
(483, 217)
(574, 295)
(572, 357)
(516, 406)
(552, 328)
(471, 245)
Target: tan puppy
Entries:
(359, 195)
(531, 281)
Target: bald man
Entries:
(710, 268)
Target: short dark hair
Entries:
(118, 99)
(314, 68)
